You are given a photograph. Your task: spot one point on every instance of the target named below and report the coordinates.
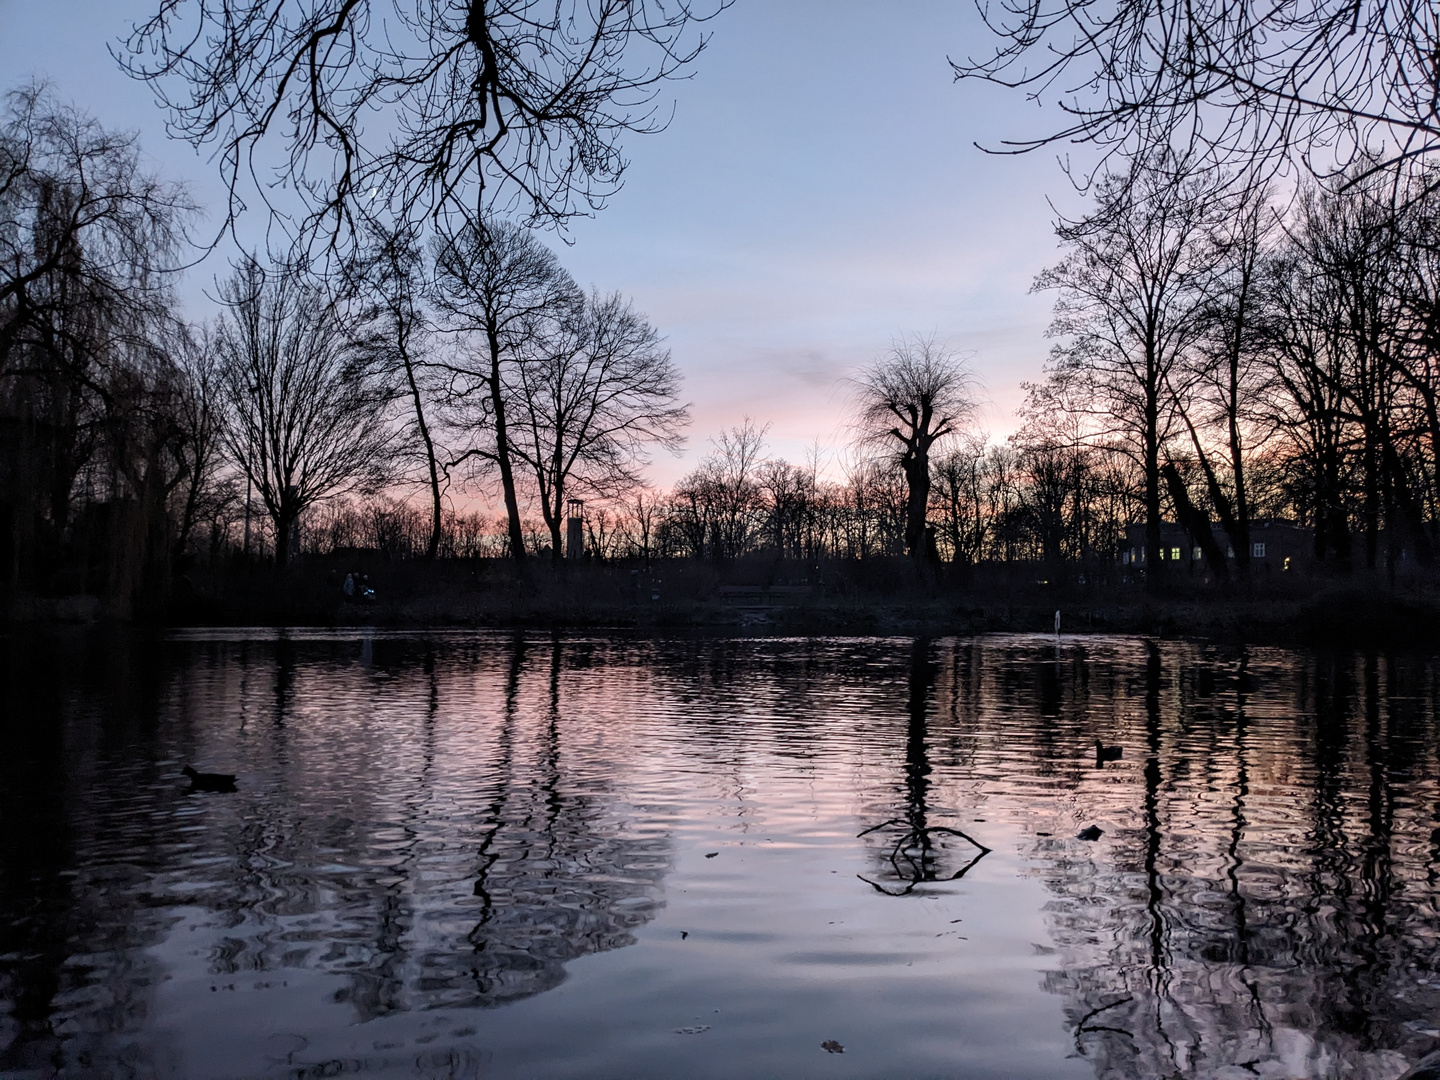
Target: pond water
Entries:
(474, 855)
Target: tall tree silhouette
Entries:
(308, 416)
(590, 402)
(502, 290)
(919, 393)
(1128, 310)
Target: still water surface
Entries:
(461, 855)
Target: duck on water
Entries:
(209, 781)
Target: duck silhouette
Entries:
(1090, 832)
(1105, 753)
(209, 781)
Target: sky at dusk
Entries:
(816, 195)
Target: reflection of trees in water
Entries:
(913, 850)
(440, 825)
(554, 878)
(442, 920)
(432, 826)
(74, 974)
(1268, 903)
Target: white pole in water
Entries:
(1057, 623)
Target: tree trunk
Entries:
(187, 516)
(916, 464)
(1370, 507)
(284, 522)
(435, 517)
(1153, 571)
(554, 515)
(1194, 521)
(502, 453)
(1240, 537)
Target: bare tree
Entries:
(1227, 366)
(1243, 84)
(308, 417)
(1129, 309)
(789, 493)
(916, 395)
(1333, 334)
(959, 482)
(199, 417)
(498, 288)
(1418, 362)
(643, 512)
(602, 391)
(416, 107)
(716, 507)
(389, 278)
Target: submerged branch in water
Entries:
(920, 872)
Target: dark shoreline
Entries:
(699, 599)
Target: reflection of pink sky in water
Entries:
(429, 829)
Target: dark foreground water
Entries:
(459, 855)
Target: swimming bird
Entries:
(209, 781)
(1090, 832)
(1105, 753)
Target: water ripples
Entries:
(449, 849)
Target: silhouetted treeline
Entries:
(1252, 358)
(1224, 357)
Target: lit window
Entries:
(1196, 554)
(1174, 554)
(1257, 551)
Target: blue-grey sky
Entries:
(816, 195)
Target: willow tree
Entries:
(88, 238)
(916, 395)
